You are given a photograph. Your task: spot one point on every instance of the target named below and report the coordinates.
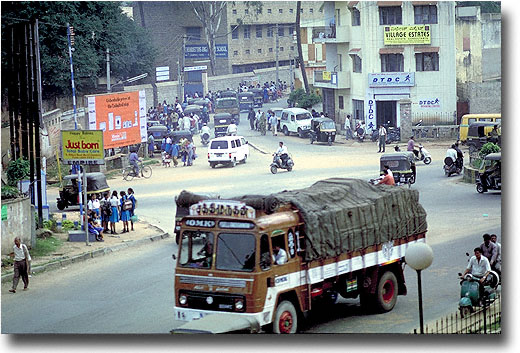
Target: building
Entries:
(389, 59)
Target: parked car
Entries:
(227, 150)
(295, 120)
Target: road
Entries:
(132, 292)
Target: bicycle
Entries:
(144, 170)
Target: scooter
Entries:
(423, 155)
(277, 164)
(451, 167)
(204, 139)
(470, 296)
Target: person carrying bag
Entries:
(22, 264)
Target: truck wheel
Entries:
(286, 318)
(285, 131)
(386, 294)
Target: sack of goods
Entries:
(127, 205)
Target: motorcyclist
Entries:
(283, 153)
(232, 129)
(410, 147)
(460, 156)
(479, 267)
(452, 153)
(205, 130)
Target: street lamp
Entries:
(419, 256)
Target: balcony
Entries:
(338, 34)
(335, 80)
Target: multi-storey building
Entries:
(386, 55)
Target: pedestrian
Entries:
(274, 123)
(125, 205)
(132, 198)
(251, 118)
(114, 217)
(151, 147)
(106, 211)
(498, 264)
(489, 249)
(257, 119)
(262, 124)
(382, 138)
(348, 128)
(94, 204)
(175, 154)
(22, 264)
(190, 149)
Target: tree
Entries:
(299, 43)
(97, 26)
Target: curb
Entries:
(257, 148)
(66, 261)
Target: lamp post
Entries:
(419, 256)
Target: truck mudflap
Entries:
(218, 323)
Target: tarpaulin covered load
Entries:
(343, 215)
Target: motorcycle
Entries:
(470, 294)
(277, 164)
(393, 135)
(423, 155)
(451, 167)
(204, 139)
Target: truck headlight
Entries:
(183, 300)
(209, 300)
(239, 305)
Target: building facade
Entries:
(386, 55)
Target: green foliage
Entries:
(17, 170)
(68, 225)
(98, 25)
(476, 163)
(9, 192)
(7, 262)
(46, 246)
(302, 99)
(488, 148)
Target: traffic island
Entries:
(470, 174)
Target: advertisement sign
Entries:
(326, 75)
(82, 147)
(121, 117)
(392, 79)
(431, 103)
(370, 109)
(418, 34)
(162, 73)
(201, 51)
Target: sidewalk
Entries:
(73, 252)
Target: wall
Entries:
(485, 97)
(19, 223)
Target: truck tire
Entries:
(286, 318)
(386, 293)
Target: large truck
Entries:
(340, 236)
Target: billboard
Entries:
(200, 51)
(82, 147)
(418, 34)
(121, 117)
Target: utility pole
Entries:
(181, 77)
(179, 87)
(277, 47)
(108, 71)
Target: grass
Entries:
(46, 246)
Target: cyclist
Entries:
(133, 159)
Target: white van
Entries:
(227, 150)
(295, 120)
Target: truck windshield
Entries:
(303, 116)
(196, 249)
(235, 252)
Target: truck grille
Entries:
(221, 302)
(225, 282)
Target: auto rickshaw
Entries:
(228, 94)
(176, 136)
(203, 102)
(228, 105)
(69, 193)
(402, 165)
(479, 135)
(193, 108)
(322, 130)
(489, 175)
(258, 97)
(158, 132)
(221, 122)
(246, 100)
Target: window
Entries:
(270, 50)
(390, 15)
(301, 10)
(356, 64)
(280, 10)
(265, 255)
(234, 11)
(259, 51)
(259, 31)
(311, 10)
(291, 30)
(292, 47)
(269, 11)
(246, 11)
(426, 14)
(281, 48)
(200, 253)
(234, 252)
(269, 30)
(235, 52)
(193, 33)
(248, 51)
(280, 31)
(233, 145)
(291, 10)
(358, 109)
(247, 31)
(234, 32)
(340, 63)
(321, 10)
(340, 102)
(259, 11)
(356, 17)
(427, 61)
(392, 63)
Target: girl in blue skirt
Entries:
(114, 218)
(125, 213)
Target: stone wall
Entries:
(19, 223)
(485, 97)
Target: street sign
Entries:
(195, 68)
(82, 147)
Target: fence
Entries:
(441, 118)
(487, 320)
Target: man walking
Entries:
(251, 118)
(21, 264)
(382, 138)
